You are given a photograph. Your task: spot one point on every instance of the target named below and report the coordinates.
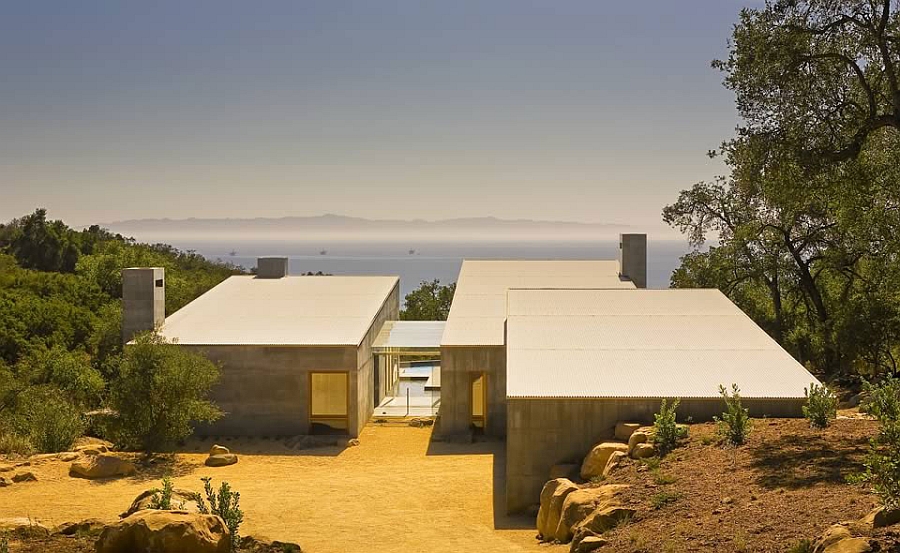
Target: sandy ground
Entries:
(396, 491)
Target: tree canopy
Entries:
(429, 302)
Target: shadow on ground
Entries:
(793, 461)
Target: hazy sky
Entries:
(596, 111)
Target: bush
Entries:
(160, 392)
(883, 461)
(666, 432)
(162, 498)
(4, 545)
(734, 425)
(661, 499)
(225, 504)
(821, 406)
(802, 546)
(14, 444)
(51, 422)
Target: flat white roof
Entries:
(478, 311)
(641, 344)
(409, 335)
(293, 310)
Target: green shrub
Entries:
(4, 545)
(14, 444)
(162, 498)
(666, 432)
(821, 406)
(225, 504)
(883, 461)
(734, 424)
(662, 479)
(661, 499)
(51, 422)
(160, 392)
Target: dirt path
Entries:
(391, 493)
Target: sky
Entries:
(593, 111)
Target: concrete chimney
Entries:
(271, 267)
(633, 258)
(143, 300)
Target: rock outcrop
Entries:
(583, 504)
(642, 435)
(614, 461)
(854, 536)
(552, 497)
(169, 531)
(624, 430)
(88, 527)
(219, 450)
(568, 512)
(103, 465)
(221, 460)
(596, 460)
(182, 500)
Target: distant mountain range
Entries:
(357, 228)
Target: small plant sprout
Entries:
(821, 406)
(734, 424)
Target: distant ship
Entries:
(412, 252)
(323, 252)
(232, 253)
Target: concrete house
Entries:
(547, 355)
(295, 351)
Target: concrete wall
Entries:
(143, 300)
(545, 432)
(264, 390)
(460, 365)
(365, 396)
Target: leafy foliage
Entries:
(225, 504)
(429, 302)
(666, 432)
(160, 392)
(50, 421)
(162, 497)
(821, 406)
(734, 425)
(883, 461)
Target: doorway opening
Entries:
(329, 403)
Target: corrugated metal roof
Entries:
(479, 306)
(641, 344)
(409, 335)
(294, 310)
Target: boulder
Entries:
(642, 435)
(68, 456)
(565, 470)
(624, 430)
(614, 460)
(219, 450)
(580, 504)
(23, 526)
(553, 495)
(182, 500)
(595, 461)
(24, 477)
(606, 518)
(221, 460)
(101, 466)
(849, 545)
(588, 544)
(89, 527)
(643, 451)
(251, 544)
(168, 531)
(878, 518)
(4, 482)
(836, 538)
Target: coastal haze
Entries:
(415, 250)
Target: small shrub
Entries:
(821, 406)
(708, 439)
(162, 498)
(734, 425)
(14, 444)
(883, 461)
(802, 546)
(225, 504)
(662, 479)
(666, 432)
(51, 422)
(652, 463)
(4, 544)
(661, 499)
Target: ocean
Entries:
(415, 262)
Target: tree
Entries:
(160, 391)
(822, 75)
(429, 302)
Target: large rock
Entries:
(580, 504)
(20, 477)
(182, 500)
(642, 435)
(251, 544)
(553, 495)
(4, 482)
(849, 545)
(624, 430)
(878, 518)
(88, 527)
(839, 538)
(221, 460)
(101, 466)
(588, 544)
(614, 461)
(595, 461)
(166, 532)
(643, 451)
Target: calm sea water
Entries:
(427, 261)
